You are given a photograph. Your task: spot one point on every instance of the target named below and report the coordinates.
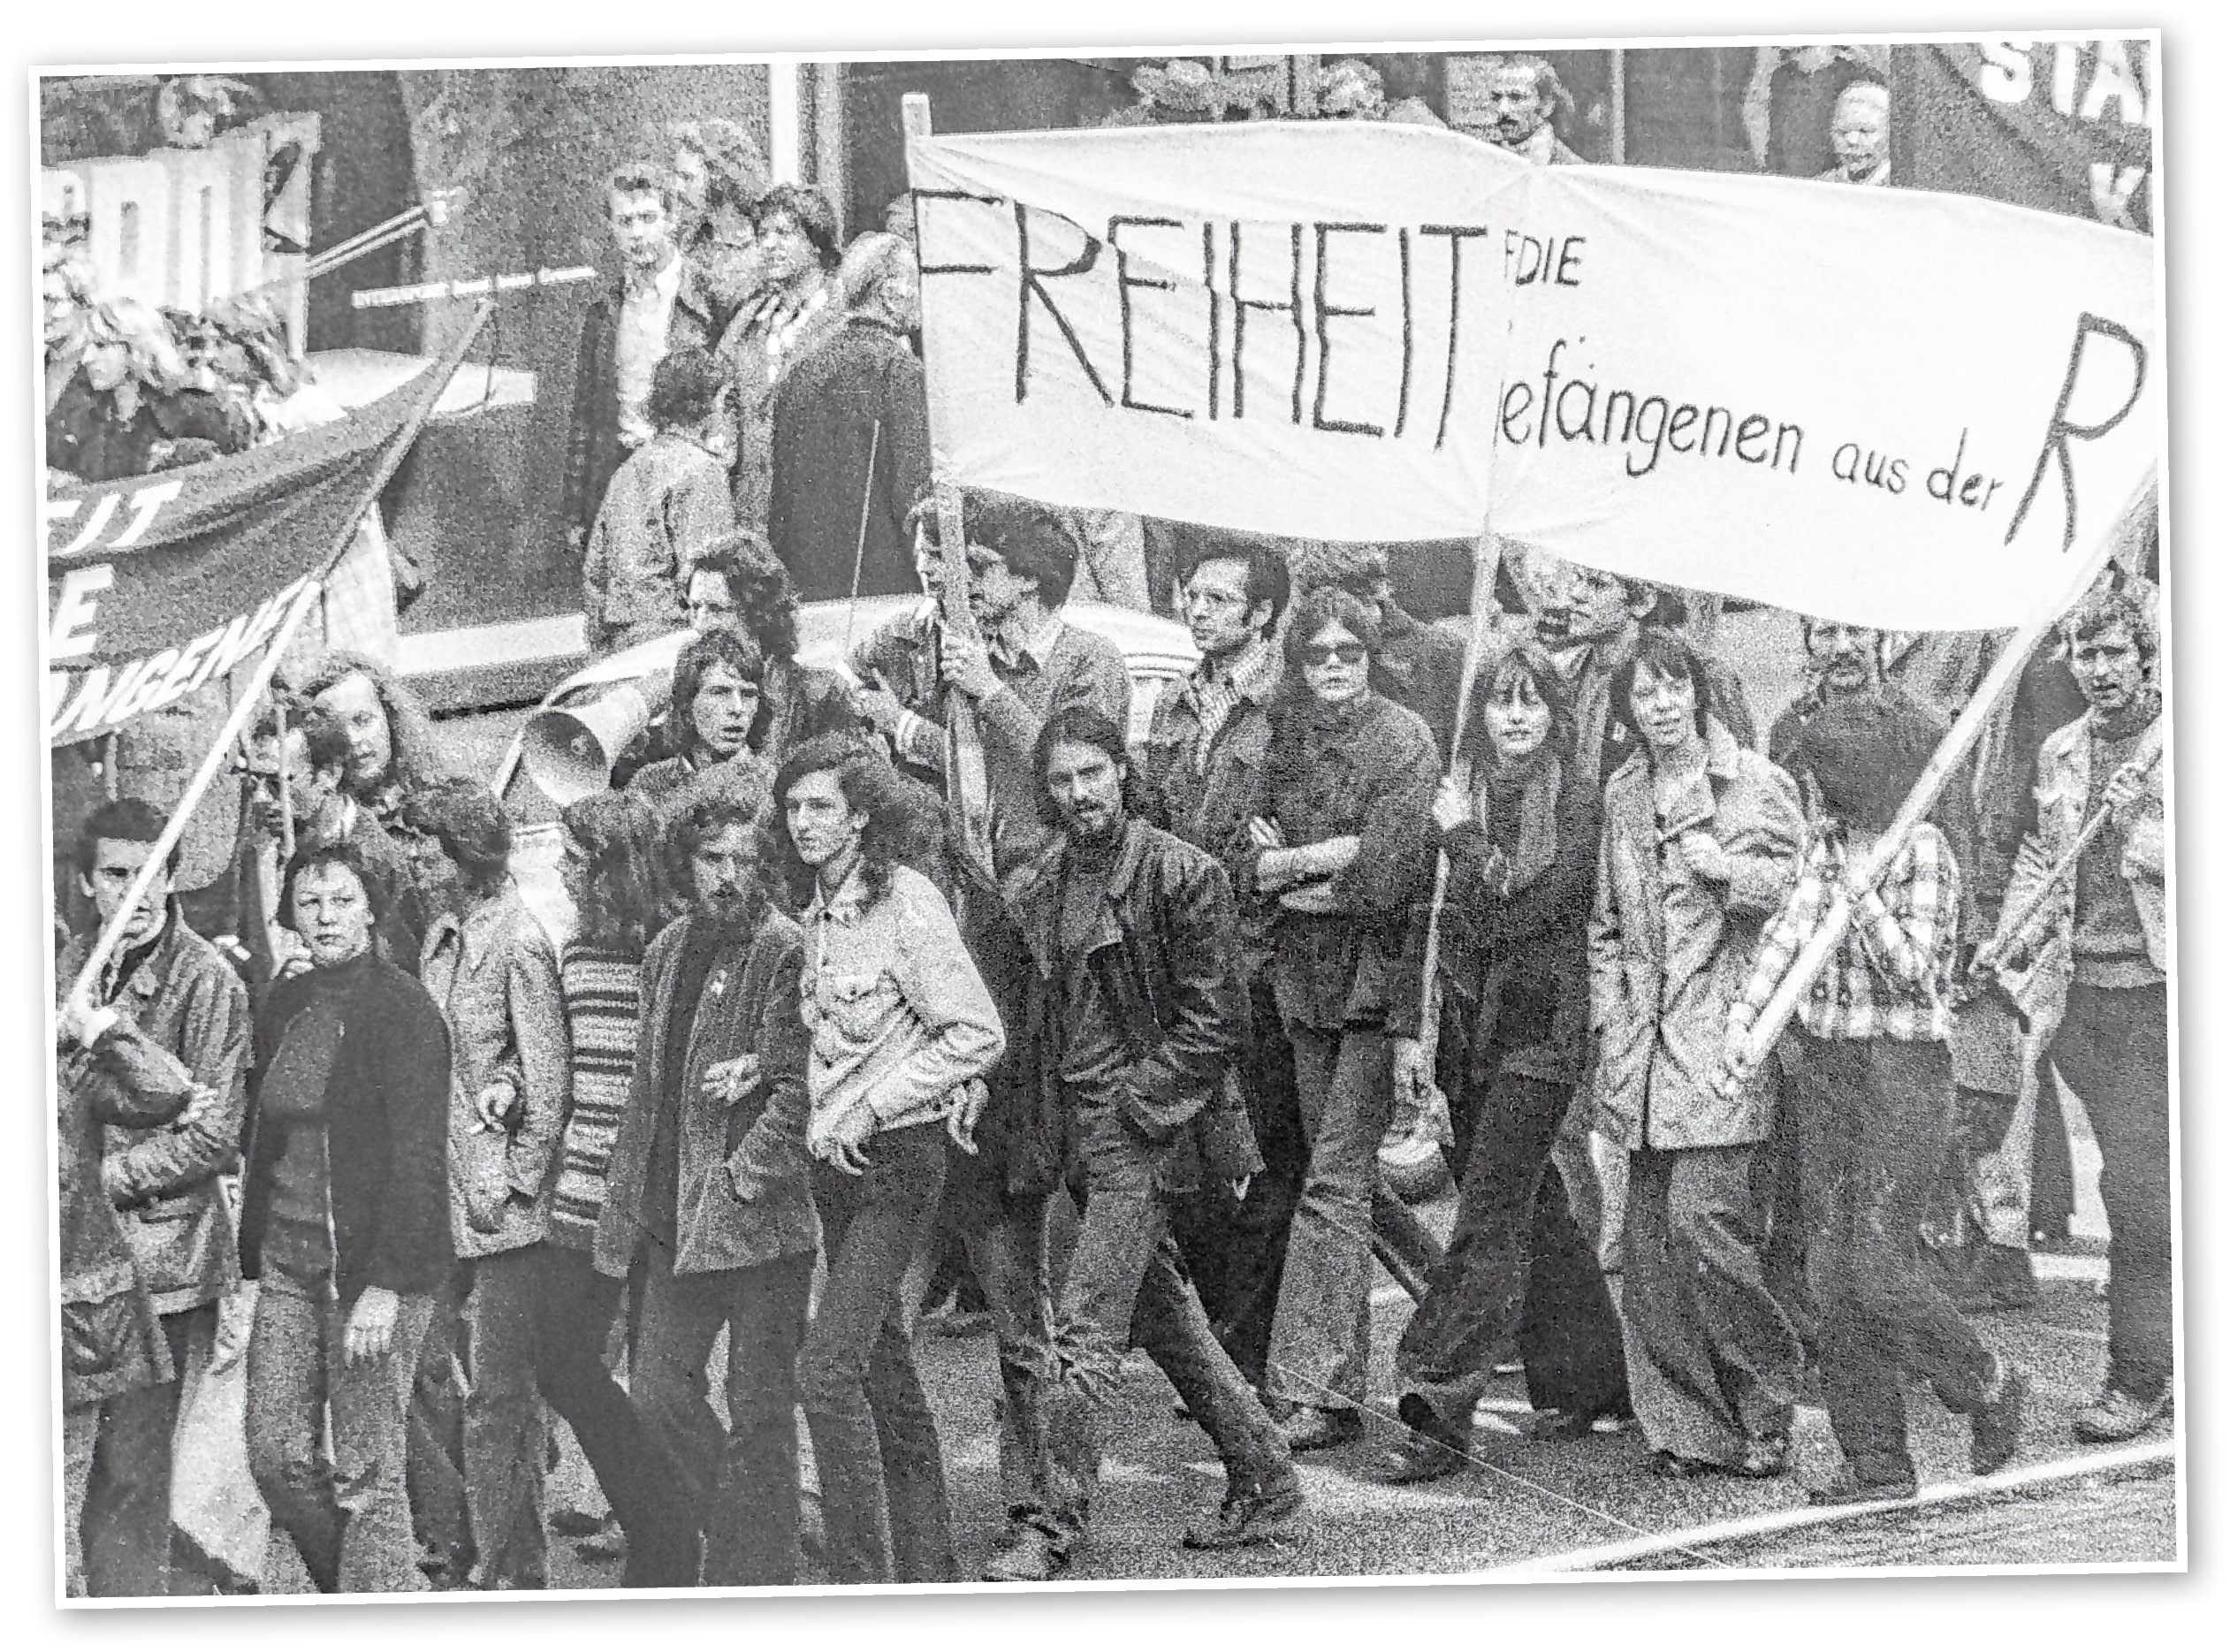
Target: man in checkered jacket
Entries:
(1871, 1086)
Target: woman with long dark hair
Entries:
(613, 875)
(1520, 833)
(900, 1022)
(1338, 847)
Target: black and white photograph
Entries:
(984, 821)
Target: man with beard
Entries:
(656, 302)
(2101, 932)
(1137, 1014)
(708, 1201)
(1522, 94)
(178, 992)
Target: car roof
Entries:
(1150, 644)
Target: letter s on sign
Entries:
(71, 634)
(2006, 76)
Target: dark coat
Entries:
(1208, 806)
(191, 1003)
(1422, 667)
(860, 388)
(593, 449)
(1513, 968)
(111, 1342)
(1368, 770)
(1162, 970)
(387, 1124)
(744, 1195)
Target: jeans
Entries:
(571, 1312)
(1319, 1342)
(503, 1434)
(1006, 1238)
(1873, 1120)
(127, 1530)
(2113, 1049)
(350, 1517)
(1711, 1358)
(1234, 1249)
(1126, 1284)
(740, 1486)
(884, 1510)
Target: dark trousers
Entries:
(1235, 1248)
(1711, 1356)
(568, 1315)
(1513, 1222)
(1126, 1284)
(435, 1454)
(1006, 1238)
(739, 1486)
(1874, 1120)
(2113, 1049)
(884, 1510)
(127, 1501)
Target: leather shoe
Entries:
(1276, 1513)
(1312, 1429)
(2117, 1415)
(1026, 1553)
(1846, 1488)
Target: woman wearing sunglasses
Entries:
(1340, 849)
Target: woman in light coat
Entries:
(1700, 842)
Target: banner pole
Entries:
(1486, 566)
(967, 778)
(2004, 672)
(260, 678)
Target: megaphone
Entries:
(569, 751)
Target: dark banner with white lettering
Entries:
(157, 584)
(2063, 125)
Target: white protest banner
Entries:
(1902, 409)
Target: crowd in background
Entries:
(928, 978)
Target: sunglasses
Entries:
(1325, 653)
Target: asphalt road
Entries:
(1525, 1501)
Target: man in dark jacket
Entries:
(708, 1190)
(177, 991)
(344, 1220)
(1203, 762)
(851, 436)
(657, 302)
(1137, 1013)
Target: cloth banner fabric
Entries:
(157, 584)
(2063, 125)
(1909, 410)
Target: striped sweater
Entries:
(602, 994)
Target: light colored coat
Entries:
(1668, 951)
(494, 976)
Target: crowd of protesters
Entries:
(933, 970)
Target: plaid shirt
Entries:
(1890, 976)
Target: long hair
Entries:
(623, 898)
(1315, 609)
(419, 760)
(873, 787)
(1524, 660)
(764, 595)
(1083, 725)
(705, 819)
(471, 824)
(699, 655)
